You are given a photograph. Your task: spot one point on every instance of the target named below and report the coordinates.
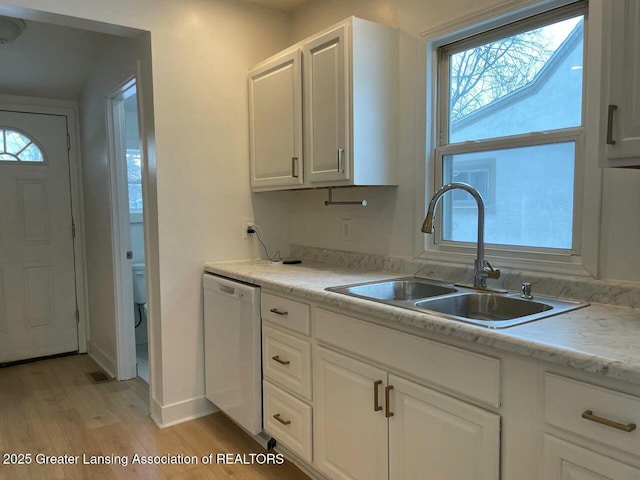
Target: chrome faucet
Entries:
(482, 268)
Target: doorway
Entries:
(126, 165)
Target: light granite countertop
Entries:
(600, 339)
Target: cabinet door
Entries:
(434, 436)
(350, 435)
(566, 461)
(624, 78)
(275, 122)
(327, 104)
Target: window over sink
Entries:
(509, 105)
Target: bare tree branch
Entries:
(483, 74)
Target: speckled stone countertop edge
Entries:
(616, 356)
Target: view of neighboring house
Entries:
(525, 189)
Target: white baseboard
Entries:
(168, 415)
(107, 363)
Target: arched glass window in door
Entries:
(18, 147)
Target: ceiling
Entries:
(282, 5)
(49, 61)
(53, 61)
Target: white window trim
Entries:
(589, 190)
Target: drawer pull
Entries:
(588, 415)
(611, 109)
(376, 400)
(341, 160)
(279, 312)
(281, 362)
(284, 422)
(387, 391)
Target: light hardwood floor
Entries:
(50, 407)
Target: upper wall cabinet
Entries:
(275, 121)
(349, 97)
(622, 36)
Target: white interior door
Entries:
(37, 278)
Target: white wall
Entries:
(112, 66)
(201, 52)
(389, 224)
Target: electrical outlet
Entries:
(248, 222)
(346, 229)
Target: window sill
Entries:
(572, 266)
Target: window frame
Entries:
(503, 21)
(32, 141)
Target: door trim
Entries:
(69, 110)
(122, 273)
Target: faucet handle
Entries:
(491, 272)
(526, 291)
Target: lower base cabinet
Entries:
(287, 419)
(436, 437)
(350, 430)
(566, 461)
(371, 424)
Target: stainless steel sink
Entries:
(486, 308)
(482, 306)
(401, 289)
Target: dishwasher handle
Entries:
(227, 287)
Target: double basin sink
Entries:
(480, 307)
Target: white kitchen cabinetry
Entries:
(286, 370)
(602, 417)
(351, 88)
(349, 131)
(360, 407)
(435, 436)
(566, 461)
(622, 52)
(275, 126)
(350, 430)
(288, 420)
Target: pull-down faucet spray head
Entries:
(427, 225)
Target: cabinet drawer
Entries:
(568, 401)
(285, 312)
(471, 374)
(288, 420)
(287, 360)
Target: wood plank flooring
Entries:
(52, 408)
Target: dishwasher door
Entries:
(232, 350)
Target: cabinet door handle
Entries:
(281, 362)
(341, 160)
(294, 170)
(279, 312)
(284, 422)
(611, 109)
(376, 400)
(588, 415)
(387, 394)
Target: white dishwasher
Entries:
(232, 349)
